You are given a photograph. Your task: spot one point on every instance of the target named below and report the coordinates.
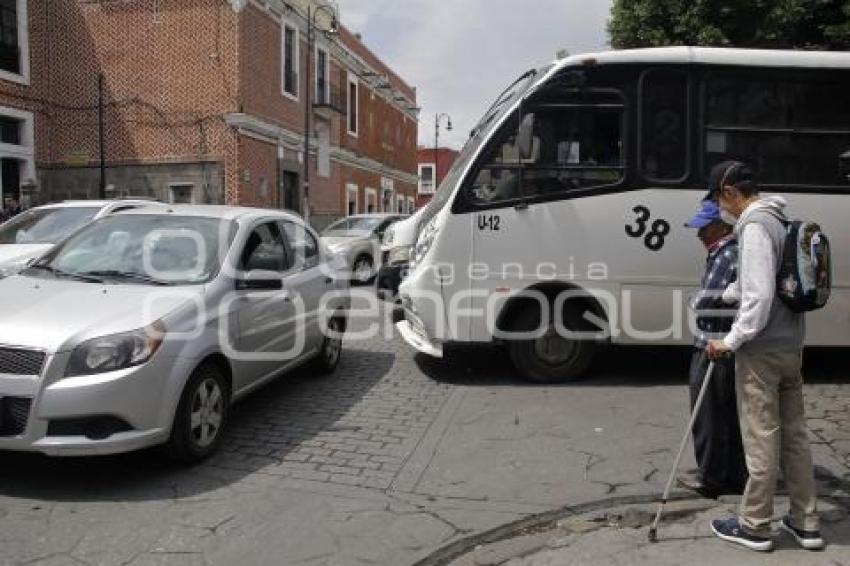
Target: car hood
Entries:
(55, 315)
(13, 254)
(341, 242)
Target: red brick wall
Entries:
(257, 173)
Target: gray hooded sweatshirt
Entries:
(763, 323)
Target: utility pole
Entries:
(437, 145)
(308, 109)
(102, 142)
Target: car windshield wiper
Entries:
(130, 275)
(88, 278)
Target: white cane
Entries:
(653, 529)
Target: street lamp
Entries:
(308, 97)
(437, 120)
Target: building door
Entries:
(11, 177)
(289, 190)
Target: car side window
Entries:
(303, 244)
(264, 249)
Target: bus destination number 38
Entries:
(652, 232)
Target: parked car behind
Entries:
(357, 239)
(396, 248)
(33, 232)
(144, 327)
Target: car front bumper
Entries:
(66, 415)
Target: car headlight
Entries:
(424, 243)
(115, 352)
(400, 254)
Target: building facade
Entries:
(204, 101)
(432, 166)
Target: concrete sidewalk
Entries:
(618, 536)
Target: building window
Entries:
(290, 52)
(322, 73)
(14, 42)
(17, 163)
(400, 205)
(181, 193)
(371, 201)
(427, 182)
(411, 205)
(353, 106)
(351, 197)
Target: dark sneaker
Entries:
(730, 530)
(695, 484)
(810, 540)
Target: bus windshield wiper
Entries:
(130, 275)
(89, 278)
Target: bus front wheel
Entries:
(551, 357)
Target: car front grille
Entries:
(14, 414)
(17, 361)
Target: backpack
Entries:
(804, 278)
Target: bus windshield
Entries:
(479, 133)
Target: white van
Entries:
(565, 210)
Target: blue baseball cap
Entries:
(708, 212)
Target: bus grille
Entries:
(17, 361)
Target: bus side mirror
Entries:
(844, 165)
(525, 137)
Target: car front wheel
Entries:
(201, 415)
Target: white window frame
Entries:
(411, 204)
(383, 193)
(433, 167)
(371, 194)
(296, 58)
(25, 151)
(399, 200)
(353, 81)
(24, 43)
(327, 73)
(176, 184)
(349, 189)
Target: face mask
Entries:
(728, 217)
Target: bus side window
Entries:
(578, 144)
(663, 123)
(497, 176)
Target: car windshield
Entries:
(45, 225)
(141, 249)
(352, 226)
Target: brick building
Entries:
(428, 159)
(204, 102)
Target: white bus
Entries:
(576, 183)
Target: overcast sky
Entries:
(460, 54)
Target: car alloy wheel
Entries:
(363, 269)
(207, 413)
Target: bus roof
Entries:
(715, 56)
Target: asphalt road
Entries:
(390, 458)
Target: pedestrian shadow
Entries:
(633, 366)
(264, 428)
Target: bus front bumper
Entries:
(418, 339)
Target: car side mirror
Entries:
(525, 137)
(259, 280)
(844, 165)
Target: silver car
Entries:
(357, 239)
(144, 327)
(33, 232)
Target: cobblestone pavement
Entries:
(387, 460)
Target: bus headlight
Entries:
(424, 243)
